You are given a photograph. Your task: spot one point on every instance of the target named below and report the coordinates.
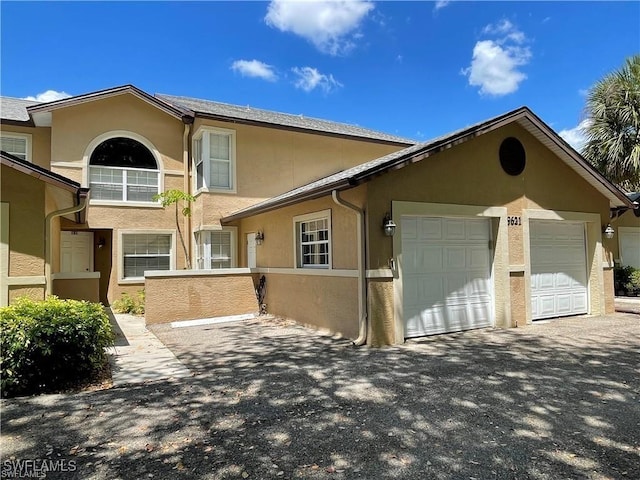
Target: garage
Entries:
(629, 238)
(558, 269)
(446, 274)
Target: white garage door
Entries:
(629, 246)
(558, 269)
(446, 274)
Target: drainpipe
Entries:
(186, 185)
(83, 200)
(362, 277)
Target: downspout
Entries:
(362, 277)
(186, 184)
(83, 200)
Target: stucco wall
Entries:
(327, 303)
(26, 198)
(470, 174)
(278, 250)
(78, 289)
(40, 142)
(271, 161)
(188, 296)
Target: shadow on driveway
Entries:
(270, 400)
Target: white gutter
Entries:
(48, 254)
(362, 274)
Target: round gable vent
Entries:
(512, 156)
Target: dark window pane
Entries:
(123, 152)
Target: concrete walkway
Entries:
(138, 356)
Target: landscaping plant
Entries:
(51, 345)
(130, 304)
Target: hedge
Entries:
(51, 345)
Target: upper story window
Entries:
(214, 159)
(123, 170)
(313, 240)
(16, 144)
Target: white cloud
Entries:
(576, 136)
(495, 62)
(48, 96)
(441, 4)
(310, 78)
(254, 68)
(331, 25)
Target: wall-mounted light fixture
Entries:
(259, 238)
(389, 226)
(101, 242)
(608, 231)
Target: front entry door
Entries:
(76, 252)
(251, 250)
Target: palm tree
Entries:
(613, 125)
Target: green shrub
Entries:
(129, 304)
(621, 278)
(51, 345)
(633, 284)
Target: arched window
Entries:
(124, 170)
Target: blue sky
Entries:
(415, 69)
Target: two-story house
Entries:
(127, 146)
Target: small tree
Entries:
(178, 197)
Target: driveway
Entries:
(266, 400)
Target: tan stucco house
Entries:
(355, 231)
(498, 224)
(127, 145)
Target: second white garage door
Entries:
(558, 269)
(629, 246)
(446, 274)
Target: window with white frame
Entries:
(214, 159)
(16, 144)
(215, 249)
(313, 240)
(123, 170)
(145, 251)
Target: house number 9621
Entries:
(512, 221)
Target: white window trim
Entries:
(306, 218)
(232, 160)
(234, 246)
(122, 233)
(24, 136)
(133, 136)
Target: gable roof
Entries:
(255, 116)
(15, 109)
(364, 172)
(41, 113)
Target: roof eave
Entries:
(40, 173)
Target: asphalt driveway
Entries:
(267, 400)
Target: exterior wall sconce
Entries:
(101, 242)
(259, 238)
(608, 231)
(389, 226)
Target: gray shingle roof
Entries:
(360, 173)
(225, 110)
(15, 109)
